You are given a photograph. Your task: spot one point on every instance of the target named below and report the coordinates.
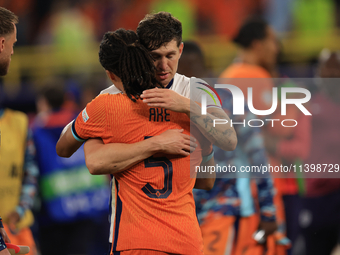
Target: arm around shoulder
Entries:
(67, 144)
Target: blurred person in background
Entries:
(319, 218)
(257, 59)
(258, 50)
(192, 62)
(18, 170)
(220, 209)
(73, 214)
(92, 88)
(288, 146)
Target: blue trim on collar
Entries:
(170, 84)
(1, 112)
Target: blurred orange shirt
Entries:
(240, 75)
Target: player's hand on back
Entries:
(166, 98)
(173, 141)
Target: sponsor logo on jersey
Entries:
(85, 116)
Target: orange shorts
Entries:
(219, 236)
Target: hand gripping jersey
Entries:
(152, 202)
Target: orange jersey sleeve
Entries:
(92, 121)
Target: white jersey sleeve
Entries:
(194, 88)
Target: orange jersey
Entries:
(153, 205)
(240, 75)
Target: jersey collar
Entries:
(170, 84)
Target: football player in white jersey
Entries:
(161, 34)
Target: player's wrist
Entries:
(193, 108)
(155, 144)
(186, 106)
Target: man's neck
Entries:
(169, 84)
(249, 57)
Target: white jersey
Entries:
(183, 85)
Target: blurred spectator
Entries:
(258, 54)
(192, 63)
(256, 62)
(72, 218)
(92, 88)
(289, 146)
(319, 217)
(230, 200)
(18, 177)
(18, 170)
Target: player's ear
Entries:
(111, 76)
(181, 46)
(2, 43)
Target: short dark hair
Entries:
(158, 29)
(122, 54)
(191, 47)
(252, 30)
(54, 94)
(7, 18)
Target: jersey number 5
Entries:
(167, 167)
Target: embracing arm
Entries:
(112, 158)
(223, 136)
(115, 157)
(67, 144)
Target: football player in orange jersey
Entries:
(111, 158)
(152, 213)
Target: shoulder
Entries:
(17, 115)
(180, 78)
(200, 87)
(110, 90)
(240, 70)
(181, 85)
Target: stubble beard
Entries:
(4, 65)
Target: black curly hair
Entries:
(122, 54)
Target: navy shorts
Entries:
(2, 244)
